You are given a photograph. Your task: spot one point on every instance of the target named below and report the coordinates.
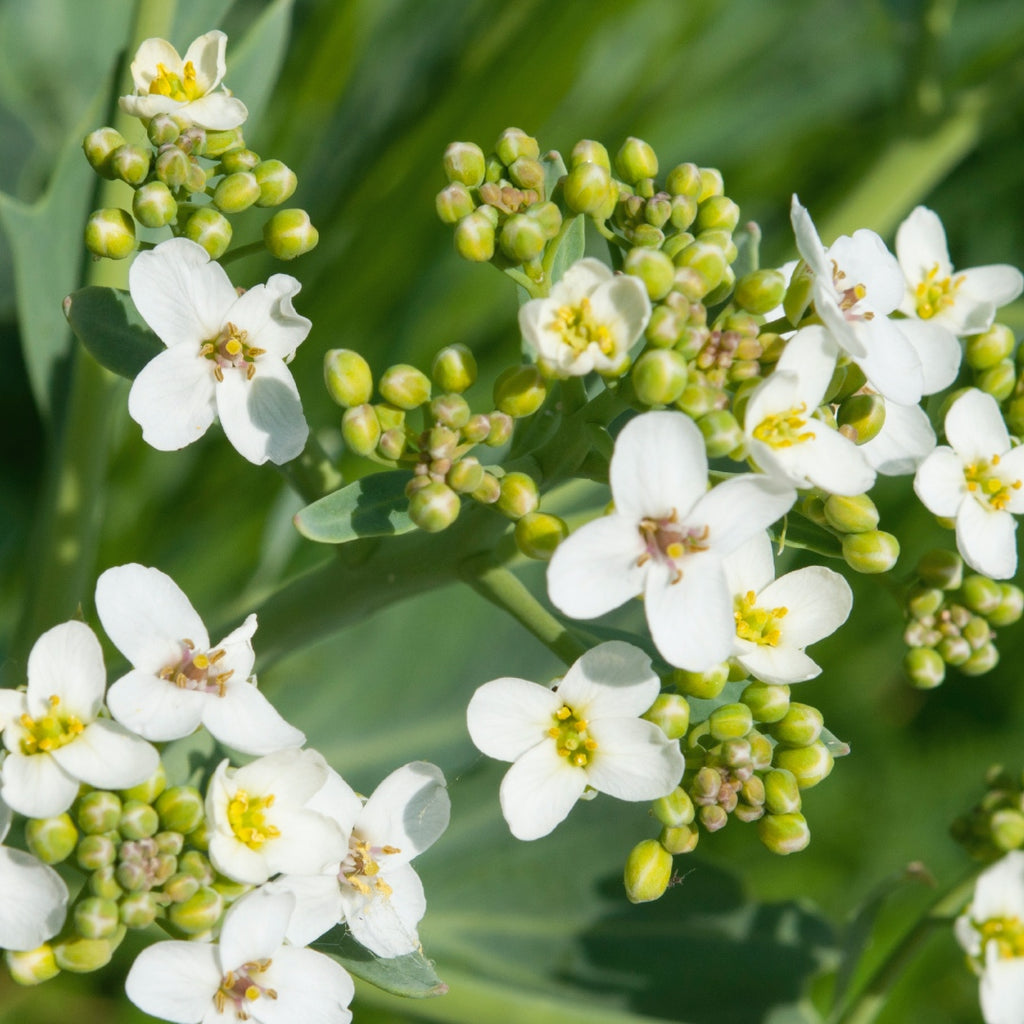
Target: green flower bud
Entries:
(103, 883)
(513, 143)
(236, 192)
(648, 871)
(983, 351)
(434, 507)
(761, 750)
(348, 377)
(478, 428)
(1010, 607)
(501, 428)
(193, 140)
(154, 206)
(180, 809)
(465, 476)
(861, 417)
(784, 833)
(707, 261)
(453, 203)
(195, 178)
(110, 233)
(730, 721)
(450, 410)
(149, 789)
(464, 163)
(711, 183)
(809, 764)
(587, 151)
(235, 160)
(646, 235)
(654, 268)
(924, 602)
(289, 234)
(130, 164)
(96, 918)
(138, 910)
(760, 291)
(713, 817)
(1007, 829)
(34, 966)
(454, 369)
(722, 433)
(527, 173)
(674, 810)
(172, 166)
(768, 702)
(404, 386)
(799, 727)
(981, 594)
(489, 490)
(981, 661)
(941, 568)
(163, 130)
(548, 217)
(537, 534)
(664, 328)
(924, 667)
(95, 851)
(872, 552)
(474, 237)
(81, 956)
(197, 864)
(733, 752)
(131, 876)
(138, 820)
(999, 380)
(180, 887)
(522, 238)
(851, 514)
(659, 376)
(519, 495)
(51, 839)
(360, 429)
(392, 443)
(99, 146)
(198, 913)
(977, 632)
(588, 189)
(781, 792)
(720, 213)
(657, 210)
(954, 650)
(670, 712)
(680, 839)
(520, 391)
(219, 143)
(636, 160)
(277, 182)
(211, 230)
(702, 685)
(170, 842)
(1014, 416)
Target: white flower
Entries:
(248, 975)
(857, 283)
(33, 897)
(905, 439)
(666, 540)
(226, 355)
(963, 302)
(166, 83)
(977, 481)
(375, 889)
(783, 436)
(54, 733)
(586, 733)
(179, 680)
(260, 823)
(777, 618)
(590, 321)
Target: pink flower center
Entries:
(240, 988)
(197, 670)
(667, 542)
(849, 295)
(231, 350)
(360, 869)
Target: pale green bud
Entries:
(138, 910)
(761, 750)
(683, 214)
(180, 887)
(96, 918)
(434, 507)
(478, 427)
(768, 702)
(719, 213)
(527, 173)
(32, 967)
(730, 721)
(713, 817)
(211, 230)
(809, 764)
(501, 428)
(465, 476)
(659, 376)
(1014, 415)
(923, 602)
(674, 810)
(198, 913)
(657, 210)
(1010, 607)
(1007, 829)
(474, 237)
(537, 534)
(851, 514)
(519, 495)
(679, 839)
(977, 632)
(664, 328)
(235, 160)
(514, 143)
(103, 883)
(588, 189)
(981, 594)
(131, 876)
(999, 380)
(784, 833)
(348, 377)
(277, 182)
(154, 206)
(941, 568)
(95, 851)
(781, 792)
(587, 151)
(522, 238)
(51, 839)
(954, 650)
(195, 179)
(464, 163)
(404, 386)
(180, 809)
(110, 233)
(646, 235)
(520, 391)
(799, 727)
(130, 164)
(489, 490)
(236, 192)
(197, 864)
(798, 295)
(99, 146)
(218, 143)
(193, 140)
(81, 956)
(548, 217)
(708, 261)
(711, 183)
(360, 429)
(670, 712)
(684, 180)
(450, 410)
(722, 433)
(453, 203)
(924, 667)
(172, 166)
(454, 369)
(138, 820)
(872, 552)
(760, 291)
(861, 417)
(163, 130)
(654, 268)
(983, 351)
(734, 752)
(636, 160)
(170, 842)
(983, 660)
(648, 871)
(392, 441)
(149, 789)
(289, 234)
(702, 685)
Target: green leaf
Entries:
(255, 63)
(375, 506)
(412, 975)
(571, 245)
(107, 323)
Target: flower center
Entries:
(240, 988)
(249, 822)
(361, 868)
(230, 349)
(666, 541)
(988, 486)
(932, 296)
(49, 732)
(849, 295)
(571, 738)
(166, 83)
(784, 429)
(579, 329)
(1006, 932)
(758, 625)
(197, 670)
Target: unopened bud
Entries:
(520, 391)
(588, 151)
(1010, 607)
(722, 433)
(211, 230)
(236, 160)
(714, 817)
(172, 166)
(103, 883)
(636, 160)
(977, 632)
(95, 851)
(453, 203)
(719, 213)
(872, 552)
(707, 261)
(154, 206)
(659, 376)
(924, 602)
(679, 839)
(941, 568)
(149, 789)
(464, 162)
(537, 534)
(809, 764)
(983, 351)
(180, 809)
(81, 956)
(180, 887)
(170, 842)
(138, 910)
(198, 865)
(162, 130)
(514, 143)
(219, 143)
(702, 685)
(474, 237)
(1007, 829)
(198, 913)
(851, 513)
(527, 173)
(799, 727)
(33, 966)
(711, 183)
(761, 750)
(781, 792)
(489, 490)
(665, 327)
(954, 650)
(277, 182)
(110, 233)
(236, 192)
(138, 820)
(450, 410)
(465, 476)
(999, 381)
(404, 386)
(675, 809)
(522, 238)
(648, 871)
(392, 443)
(454, 369)
(289, 234)
(730, 721)
(861, 417)
(588, 189)
(548, 217)
(983, 660)
(99, 146)
(784, 833)
(130, 164)
(348, 377)
(360, 429)
(768, 702)
(981, 594)
(519, 495)
(924, 667)
(434, 507)
(760, 291)
(51, 839)
(654, 268)
(500, 429)
(670, 712)
(96, 918)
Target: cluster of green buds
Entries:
(990, 358)
(995, 825)
(192, 181)
(142, 852)
(853, 521)
(952, 619)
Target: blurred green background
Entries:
(863, 107)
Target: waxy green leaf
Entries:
(412, 975)
(107, 323)
(375, 506)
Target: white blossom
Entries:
(584, 734)
(905, 440)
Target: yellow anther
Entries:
(757, 624)
(571, 739)
(784, 429)
(54, 700)
(563, 713)
(201, 661)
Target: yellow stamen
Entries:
(579, 329)
(784, 429)
(571, 739)
(248, 821)
(933, 295)
(756, 624)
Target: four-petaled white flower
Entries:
(34, 897)
(225, 356)
(54, 733)
(979, 481)
(584, 734)
(590, 321)
(963, 302)
(375, 889)
(856, 284)
(666, 540)
(991, 931)
(260, 823)
(777, 618)
(783, 436)
(249, 974)
(179, 680)
(166, 83)
(906, 438)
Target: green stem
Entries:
(243, 250)
(534, 290)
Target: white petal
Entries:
(236, 861)
(739, 508)
(245, 720)
(940, 483)
(292, 775)
(938, 350)
(175, 981)
(829, 461)
(777, 665)
(34, 901)
(999, 891)
(810, 346)
(266, 313)
(338, 801)
(155, 708)
(318, 906)
(998, 283)
(217, 111)
(207, 56)
(106, 755)
(539, 791)
(864, 258)
(311, 988)
(1011, 470)
(751, 566)
(386, 923)
(506, 717)
(890, 362)
(36, 786)
(906, 438)
(987, 540)
(808, 241)
(309, 843)
(172, 399)
(975, 426)
(921, 246)
(634, 760)
(5, 826)
(150, 54)
(66, 662)
(254, 927)
(1002, 991)
(818, 602)
(612, 680)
